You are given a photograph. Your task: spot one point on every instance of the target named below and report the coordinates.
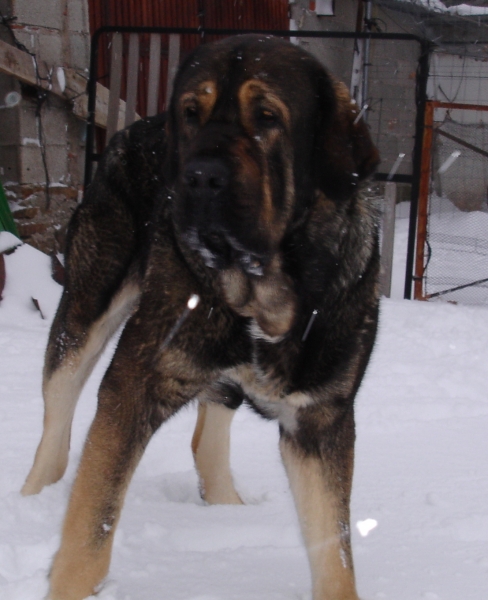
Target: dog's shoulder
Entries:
(132, 163)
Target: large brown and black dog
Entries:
(249, 197)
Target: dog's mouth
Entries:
(220, 250)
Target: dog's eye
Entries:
(266, 118)
(191, 114)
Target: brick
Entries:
(26, 213)
(28, 229)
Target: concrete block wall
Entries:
(391, 91)
(335, 54)
(57, 32)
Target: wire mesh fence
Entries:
(456, 264)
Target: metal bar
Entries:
(173, 62)
(423, 201)
(462, 142)
(421, 101)
(458, 106)
(277, 33)
(366, 56)
(115, 85)
(92, 97)
(202, 31)
(455, 289)
(397, 178)
(132, 76)
(154, 74)
(388, 237)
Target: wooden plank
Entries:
(132, 76)
(21, 65)
(80, 108)
(173, 62)
(66, 83)
(388, 236)
(115, 85)
(154, 74)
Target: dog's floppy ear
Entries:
(345, 153)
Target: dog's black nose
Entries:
(206, 175)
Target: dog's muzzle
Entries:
(205, 178)
(206, 182)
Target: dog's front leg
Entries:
(319, 462)
(69, 361)
(135, 397)
(114, 445)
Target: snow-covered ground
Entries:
(421, 471)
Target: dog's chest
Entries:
(269, 394)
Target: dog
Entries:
(233, 238)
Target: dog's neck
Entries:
(269, 300)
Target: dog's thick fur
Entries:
(249, 196)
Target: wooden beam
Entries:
(21, 66)
(65, 83)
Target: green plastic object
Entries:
(7, 222)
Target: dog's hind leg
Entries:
(319, 461)
(65, 373)
(211, 451)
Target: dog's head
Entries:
(256, 126)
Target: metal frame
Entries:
(424, 188)
(421, 99)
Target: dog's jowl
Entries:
(249, 195)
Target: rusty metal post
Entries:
(421, 100)
(424, 188)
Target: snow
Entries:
(419, 510)
(8, 241)
(464, 10)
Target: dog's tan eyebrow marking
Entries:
(254, 91)
(203, 98)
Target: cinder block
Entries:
(78, 16)
(28, 39)
(386, 91)
(31, 169)
(50, 49)
(57, 163)
(9, 126)
(9, 117)
(42, 14)
(27, 121)
(55, 124)
(9, 161)
(79, 50)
